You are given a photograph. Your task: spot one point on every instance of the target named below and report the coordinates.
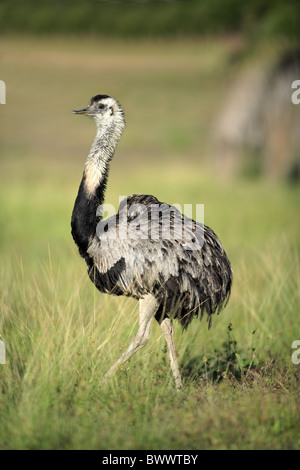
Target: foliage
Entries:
(227, 361)
(163, 18)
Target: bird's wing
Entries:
(155, 241)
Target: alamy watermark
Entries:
(296, 94)
(2, 352)
(152, 221)
(296, 354)
(2, 92)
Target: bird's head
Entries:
(103, 109)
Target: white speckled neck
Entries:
(102, 151)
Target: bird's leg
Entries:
(168, 332)
(147, 309)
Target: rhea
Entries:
(174, 266)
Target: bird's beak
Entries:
(81, 111)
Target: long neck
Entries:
(93, 184)
(97, 163)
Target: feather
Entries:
(185, 280)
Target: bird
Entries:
(174, 266)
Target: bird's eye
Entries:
(101, 106)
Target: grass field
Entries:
(241, 389)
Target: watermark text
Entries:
(2, 352)
(296, 354)
(296, 94)
(152, 221)
(2, 92)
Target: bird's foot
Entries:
(106, 378)
(178, 384)
(110, 373)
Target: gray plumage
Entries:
(175, 266)
(185, 281)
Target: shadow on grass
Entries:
(226, 362)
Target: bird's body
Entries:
(176, 267)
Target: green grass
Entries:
(241, 390)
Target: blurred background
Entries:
(206, 87)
